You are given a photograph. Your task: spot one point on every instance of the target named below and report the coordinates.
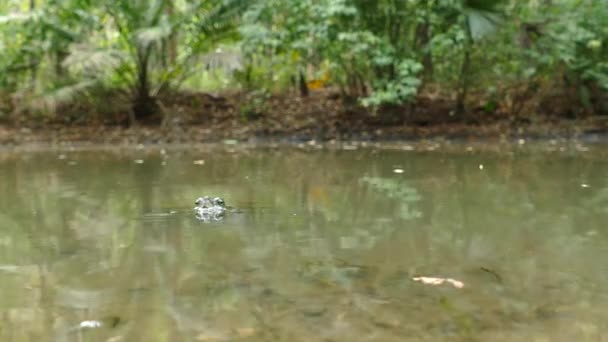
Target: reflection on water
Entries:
(326, 245)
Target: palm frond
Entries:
(481, 23)
(54, 25)
(483, 17)
(92, 62)
(150, 35)
(223, 59)
(13, 18)
(49, 101)
(220, 18)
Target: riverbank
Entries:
(589, 131)
(323, 116)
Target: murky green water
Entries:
(319, 246)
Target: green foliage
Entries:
(395, 91)
(374, 52)
(577, 38)
(143, 46)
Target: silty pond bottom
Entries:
(334, 245)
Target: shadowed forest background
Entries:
(290, 64)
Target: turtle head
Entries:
(203, 202)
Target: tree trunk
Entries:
(60, 56)
(33, 61)
(463, 81)
(422, 39)
(170, 43)
(303, 85)
(144, 105)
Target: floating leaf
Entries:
(439, 281)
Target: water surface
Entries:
(319, 245)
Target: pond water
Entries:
(329, 245)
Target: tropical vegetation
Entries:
(507, 56)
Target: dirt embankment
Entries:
(323, 115)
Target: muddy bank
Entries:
(110, 135)
(323, 116)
